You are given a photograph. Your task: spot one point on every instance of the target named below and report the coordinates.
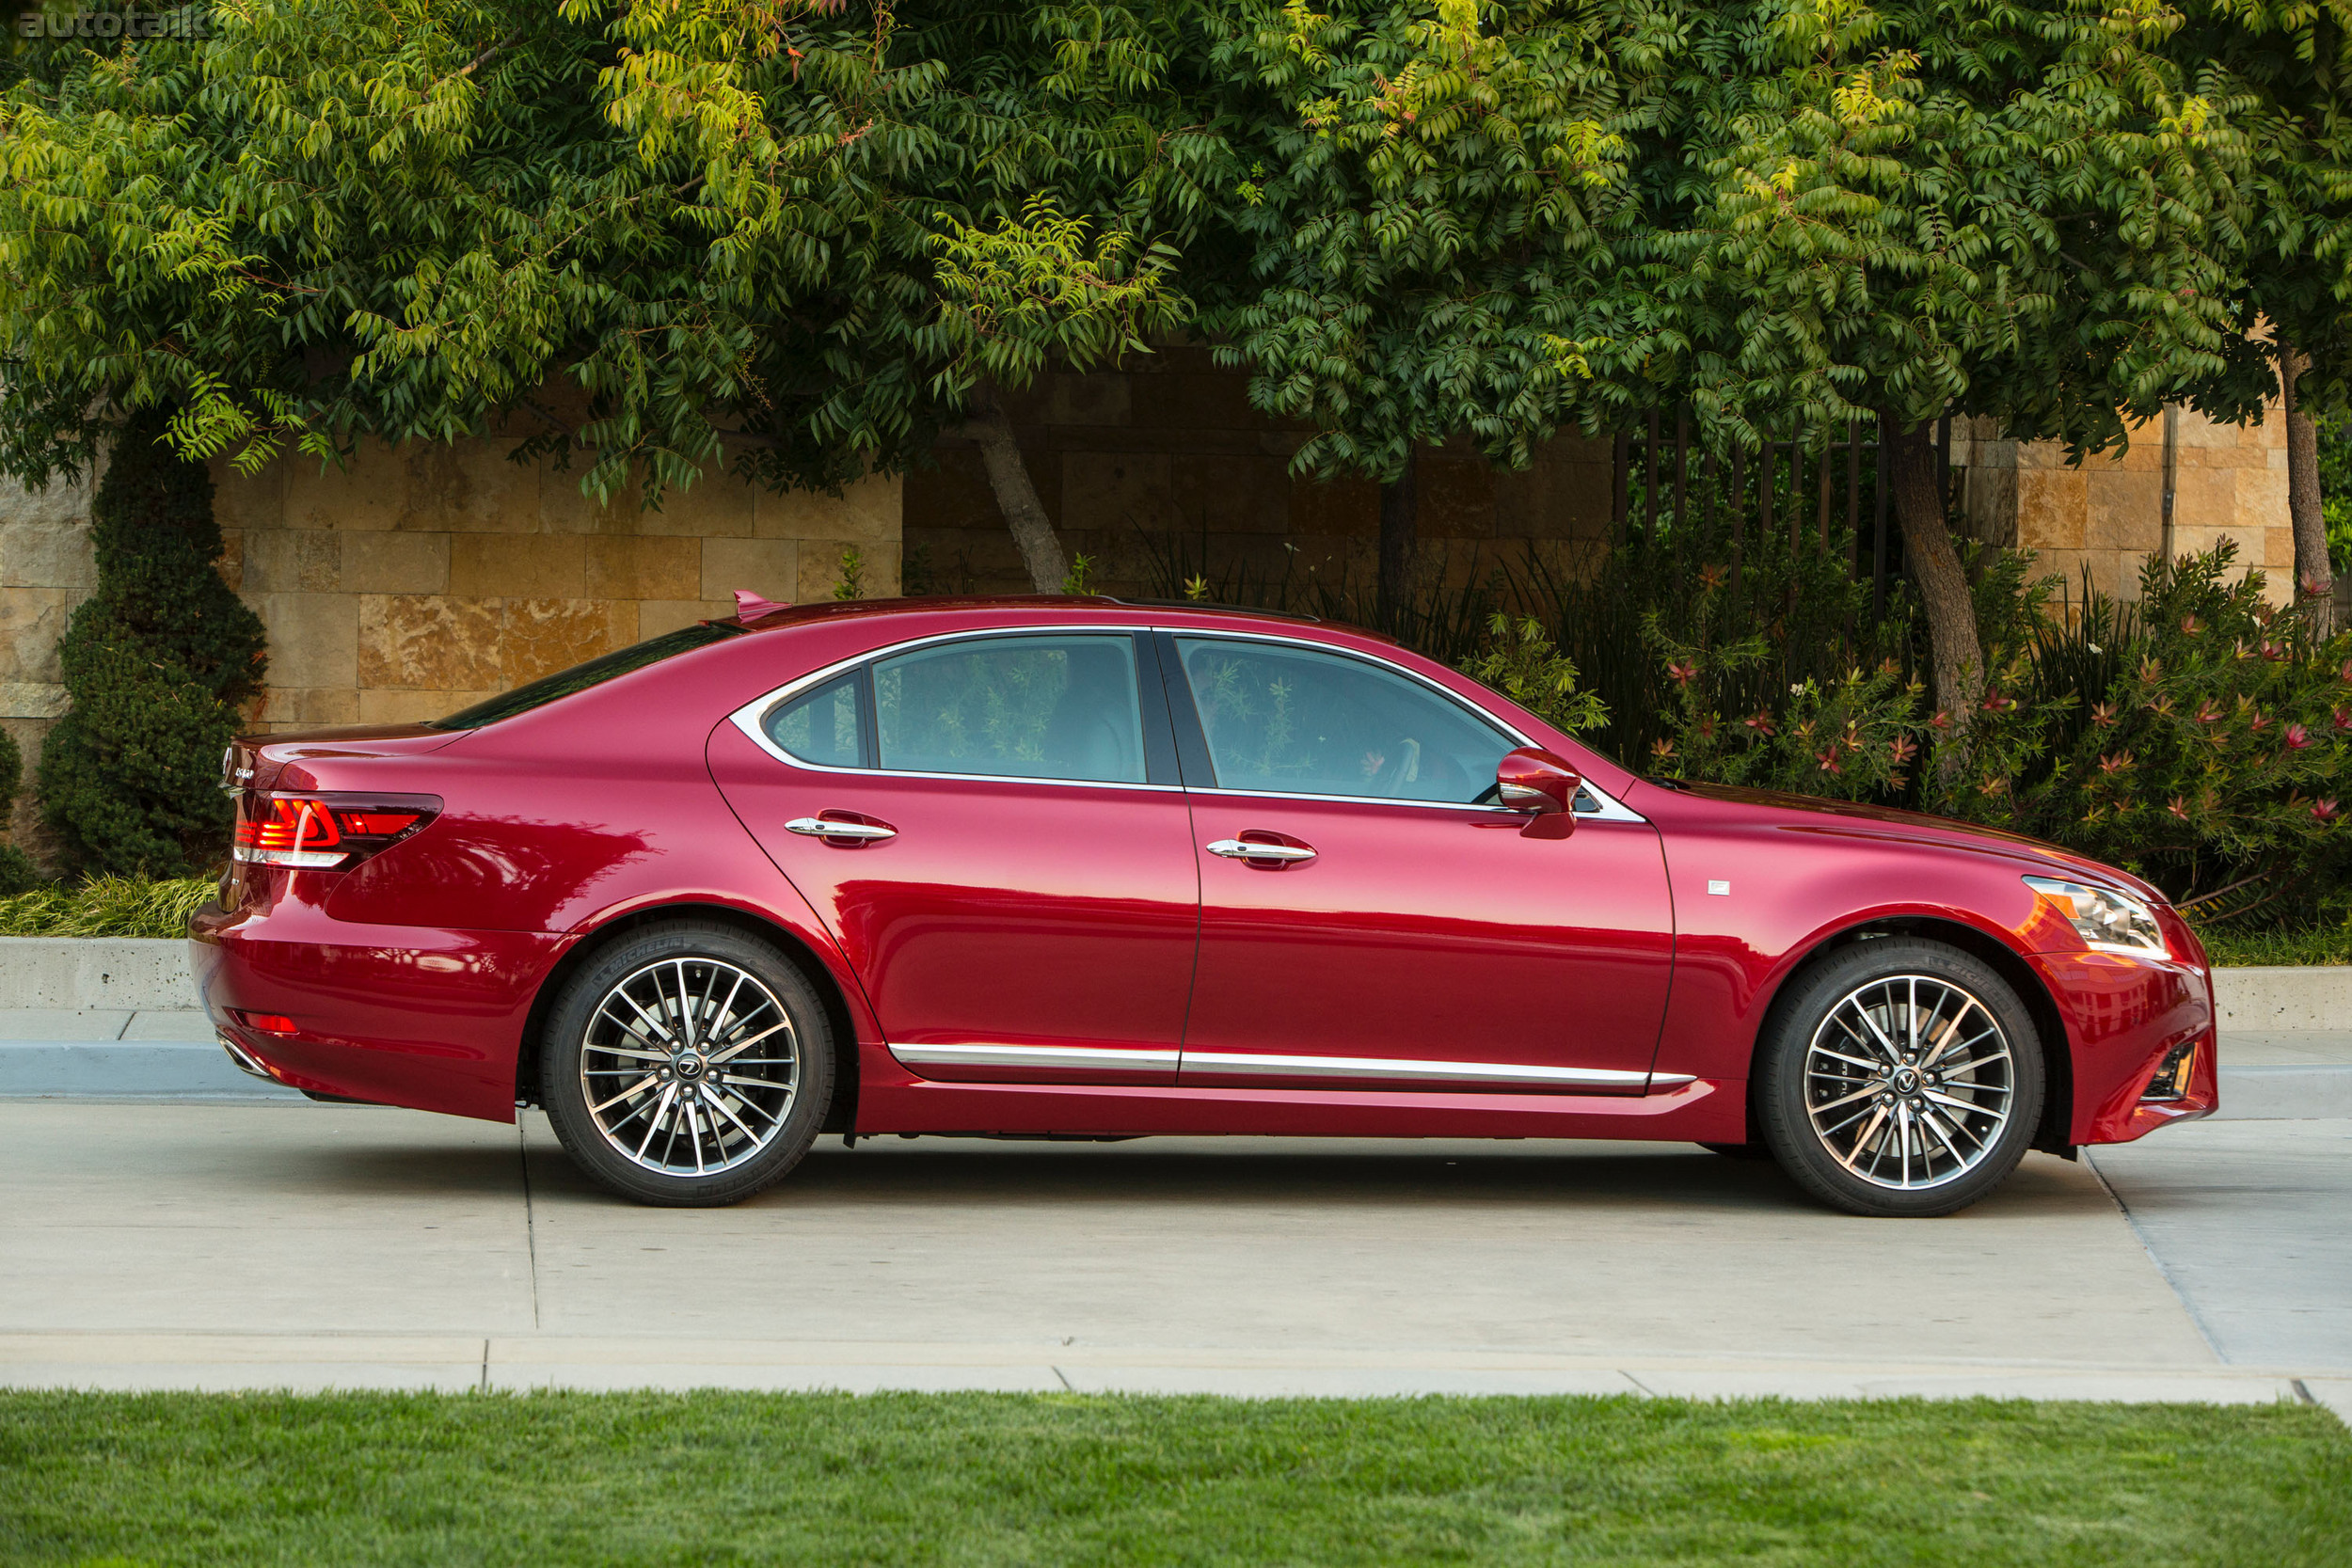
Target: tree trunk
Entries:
(1400, 510)
(1956, 659)
(2313, 582)
(1009, 477)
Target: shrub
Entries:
(158, 663)
(1521, 662)
(17, 871)
(1760, 613)
(2216, 760)
(106, 907)
(2199, 738)
(1852, 734)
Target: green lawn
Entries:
(970, 1479)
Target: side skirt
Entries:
(1703, 1111)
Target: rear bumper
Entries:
(417, 1016)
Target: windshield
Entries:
(580, 678)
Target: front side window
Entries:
(1295, 722)
(1036, 707)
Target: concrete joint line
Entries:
(2187, 1307)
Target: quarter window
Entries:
(1038, 707)
(1293, 721)
(824, 726)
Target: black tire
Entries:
(779, 1118)
(1877, 991)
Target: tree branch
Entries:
(486, 56)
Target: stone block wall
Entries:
(45, 570)
(1163, 469)
(425, 578)
(2107, 517)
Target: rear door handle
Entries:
(1237, 849)
(860, 832)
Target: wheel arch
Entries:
(2058, 1068)
(841, 1117)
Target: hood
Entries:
(1801, 811)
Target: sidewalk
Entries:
(250, 1245)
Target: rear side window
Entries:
(1034, 707)
(580, 678)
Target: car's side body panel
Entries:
(1427, 934)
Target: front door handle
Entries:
(1237, 849)
(858, 832)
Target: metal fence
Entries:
(1664, 489)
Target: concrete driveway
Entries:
(227, 1245)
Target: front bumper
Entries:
(2123, 1017)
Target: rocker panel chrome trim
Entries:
(1254, 1065)
(1081, 1058)
(1036, 1058)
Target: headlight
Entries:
(2110, 921)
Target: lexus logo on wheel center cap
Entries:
(690, 1066)
(1905, 1081)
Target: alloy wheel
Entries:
(690, 1067)
(1909, 1081)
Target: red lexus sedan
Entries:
(1084, 868)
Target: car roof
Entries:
(1018, 605)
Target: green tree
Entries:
(159, 663)
(798, 239)
(2287, 72)
(1891, 211)
(1418, 211)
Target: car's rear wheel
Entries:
(689, 1064)
(1901, 1077)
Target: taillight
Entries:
(325, 833)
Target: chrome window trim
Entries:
(750, 716)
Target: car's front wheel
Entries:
(1900, 1077)
(689, 1064)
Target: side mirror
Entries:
(1541, 783)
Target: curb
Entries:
(460, 1362)
(106, 973)
(2261, 1000)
